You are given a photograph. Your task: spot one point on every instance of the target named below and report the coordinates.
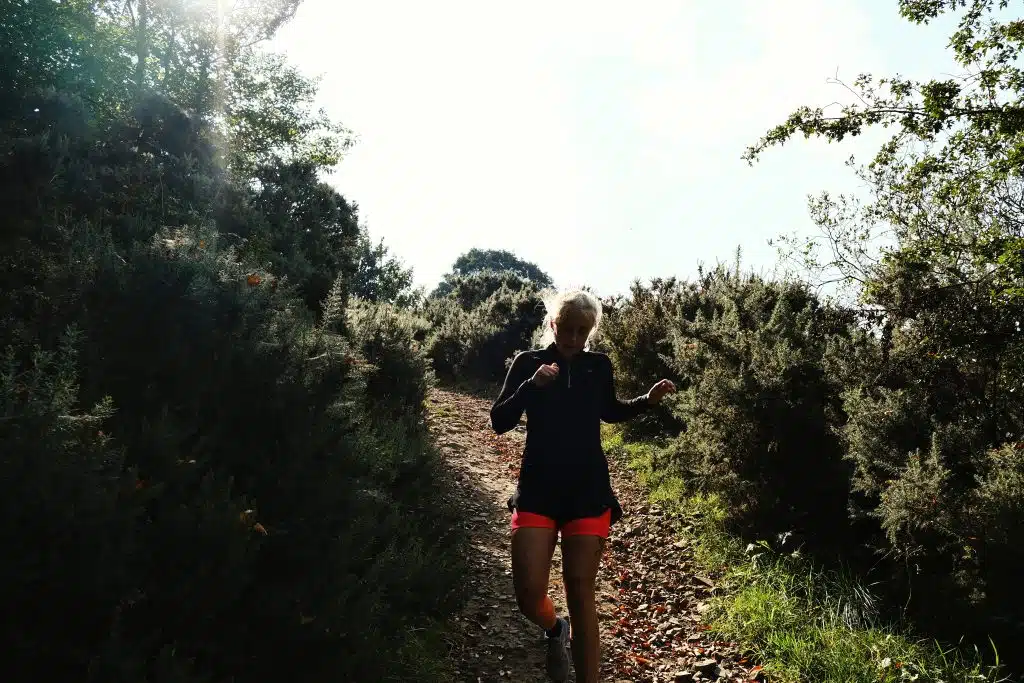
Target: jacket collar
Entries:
(551, 351)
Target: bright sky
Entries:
(600, 140)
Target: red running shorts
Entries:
(587, 526)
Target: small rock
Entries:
(706, 666)
(683, 677)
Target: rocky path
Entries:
(650, 597)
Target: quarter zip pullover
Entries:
(564, 472)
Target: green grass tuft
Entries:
(802, 623)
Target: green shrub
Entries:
(891, 457)
(455, 339)
(994, 532)
(636, 333)
(758, 408)
(282, 522)
(262, 501)
(947, 504)
(800, 622)
(516, 315)
(400, 374)
(473, 288)
(69, 507)
(480, 324)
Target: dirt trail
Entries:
(649, 597)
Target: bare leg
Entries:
(531, 568)
(581, 557)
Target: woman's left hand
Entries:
(659, 390)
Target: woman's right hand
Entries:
(545, 374)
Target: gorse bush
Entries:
(864, 449)
(484, 318)
(455, 339)
(799, 621)
(70, 510)
(757, 405)
(517, 313)
(932, 254)
(268, 499)
(400, 373)
(926, 466)
(812, 432)
(213, 464)
(473, 289)
(636, 335)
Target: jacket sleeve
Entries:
(511, 402)
(612, 409)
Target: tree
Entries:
(184, 48)
(380, 277)
(59, 45)
(947, 197)
(484, 271)
(936, 255)
(267, 117)
(469, 291)
(303, 227)
(209, 483)
(476, 260)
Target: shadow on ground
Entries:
(489, 639)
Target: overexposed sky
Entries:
(600, 140)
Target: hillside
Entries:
(236, 443)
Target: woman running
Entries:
(565, 391)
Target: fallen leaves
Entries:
(659, 634)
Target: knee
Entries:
(579, 586)
(530, 597)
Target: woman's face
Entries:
(572, 329)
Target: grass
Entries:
(478, 388)
(801, 623)
(426, 653)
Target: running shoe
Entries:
(558, 653)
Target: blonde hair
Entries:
(557, 304)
